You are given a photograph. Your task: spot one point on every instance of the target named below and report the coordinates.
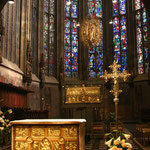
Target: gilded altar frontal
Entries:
(58, 134)
(46, 138)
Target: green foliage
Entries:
(110, 117)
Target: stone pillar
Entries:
(23, 34)
(1, 34)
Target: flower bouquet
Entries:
(117, 140)
(4, 125)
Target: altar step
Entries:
(95, 144)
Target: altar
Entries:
(48, 134)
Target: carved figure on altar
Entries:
(45, 144)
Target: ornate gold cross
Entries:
(115, 75)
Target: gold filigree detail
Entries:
(54, 132)
(71, 146)
(37, 132)
(83, 94)
(21, 145)
(70, 132)
(35, 145)
(61, 140)
(45, 144)
(57, 146)
(29, 140)
(21, 132)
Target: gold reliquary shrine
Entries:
(83, 95)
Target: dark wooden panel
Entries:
(13, 96)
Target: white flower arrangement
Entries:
(117, 141)
(4, 123)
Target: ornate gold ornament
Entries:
(35, 145)
(37, 132)
(20, 145)
(61, 141)
(83, 94)
(115, 76)
(45, 144)
(71, 132)
(71, 146)
(90, 32)
(21, 132)
(57, 146)
(29, 140)
(54, 132)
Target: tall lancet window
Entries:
(71, 38)
(141, 34)
(96, 53)
(120, 33)
(49, 36)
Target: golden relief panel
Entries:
(70, 132)
(37, 132)
(21, 132)
(45, 144)
(71, 146)
(83, 95)
(47, 138)
(56, 146)
(35, 145)
(20, 145)
(53, 132)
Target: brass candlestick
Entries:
(115, 76)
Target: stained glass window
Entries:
(120, 33)
(71, 39)
(141, 34)
(96, 53)
(49, 30)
